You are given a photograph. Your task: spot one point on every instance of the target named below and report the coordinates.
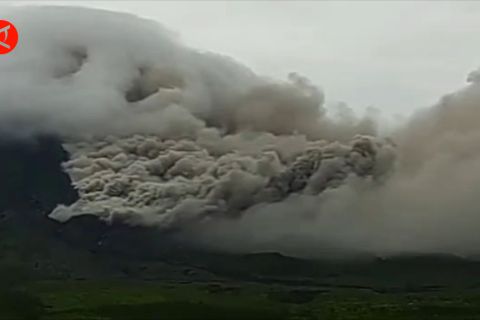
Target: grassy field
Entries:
(152, 300)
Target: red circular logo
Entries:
(8, 37)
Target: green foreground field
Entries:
(152, 300)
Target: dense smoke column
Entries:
(330, 169)
(147, 180)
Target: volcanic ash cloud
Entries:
(166, 136)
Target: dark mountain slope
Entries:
(31, 175)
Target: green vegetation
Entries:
(89, 285)
(153, 300)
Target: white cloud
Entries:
(410, 52)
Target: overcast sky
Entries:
(395, 56)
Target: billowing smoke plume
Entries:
(163, 135)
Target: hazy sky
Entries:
(396, 56)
